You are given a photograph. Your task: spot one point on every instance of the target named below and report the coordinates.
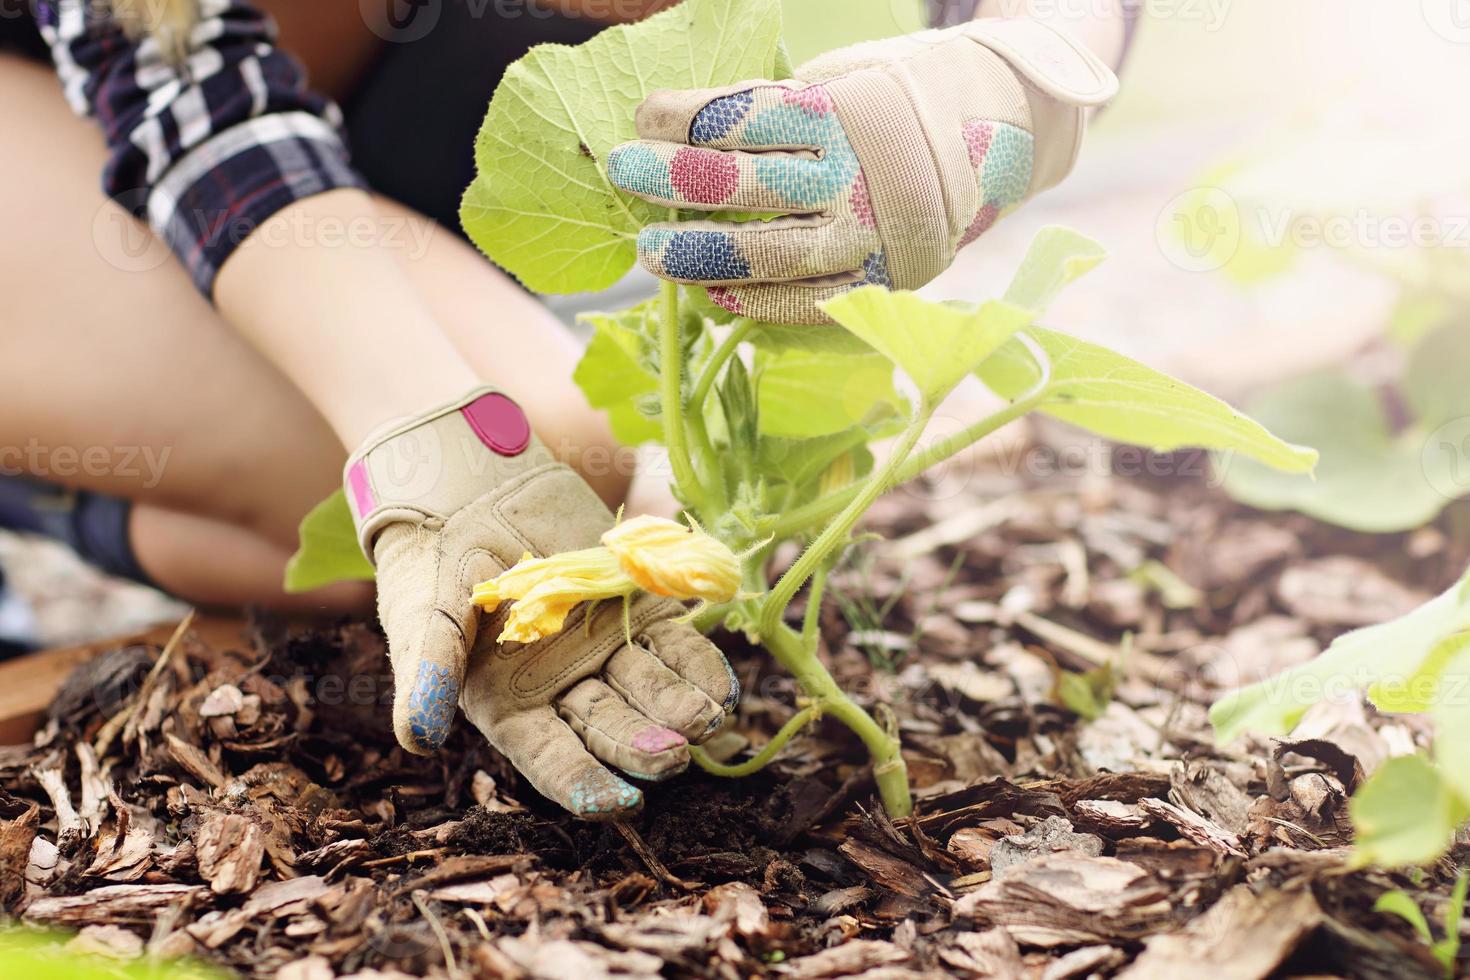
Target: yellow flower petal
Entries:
(546, 590)
(669, 559)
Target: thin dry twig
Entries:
(654, 865)
(119, 721)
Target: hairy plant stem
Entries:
(836, 533)
(797, 652)
(671, 376)
(889, 770)
(717, 361)
(811, 623)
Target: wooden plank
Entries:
(29, 683)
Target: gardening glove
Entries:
(457, 496)
(886, 158)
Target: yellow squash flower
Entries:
(648, 553)
(546, 590)
(666, 558)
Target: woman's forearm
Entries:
(1102, 26)
(318, 291)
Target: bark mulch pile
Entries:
(247, 805)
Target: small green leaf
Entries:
(1400, 904)
(1058, 256)
(1088, 694)
(1448, 948)
(1116, 397)
(1405, 814)
(614, 377)
(803, 394)
(328, 552)
(935, 344)
(541, 205)
(1354, 662)
(1369, 480)
(741, 415)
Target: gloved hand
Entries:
(888, 156)
(457, 496)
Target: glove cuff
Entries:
(1062, 80)
(432, 465)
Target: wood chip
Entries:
(194, 762)
(1204, 832)
(16, 838)
(886, 871)
(1244, 936)
(988, 955)
(740, 905)
(229, 849)
(115, 904)
(849, 959)
(1070, 900)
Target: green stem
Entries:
(812, 621)
(706, 464)
(762, 758)
(671, 366)
(800, 519)
(717, 360)
(836, 533)
(889, 770)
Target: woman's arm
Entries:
(226, 152)
(337, 314)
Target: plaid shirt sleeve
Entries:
(208, 150)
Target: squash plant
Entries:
(768, 427)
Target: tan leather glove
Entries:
(457, 496)
(888, 158)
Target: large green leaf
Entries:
(328, 551)
(1372, 478)
(541, 205)
(802, 394)
(615, 377)
(1116, 397)
(1377, 656)
(798, 462)
(1434, 382)
(1369, 479)
(780, 337)
(935, 344)
(816, 26)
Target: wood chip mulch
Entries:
(246, 805)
